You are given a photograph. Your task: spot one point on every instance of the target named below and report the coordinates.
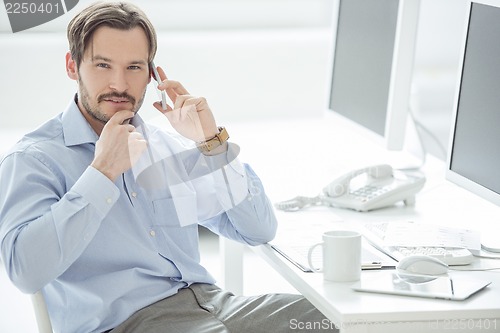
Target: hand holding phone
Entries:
(189, 115)
(161, 93)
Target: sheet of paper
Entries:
(298, 231)
(412, 234)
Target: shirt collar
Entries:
(76, 128)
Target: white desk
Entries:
(299, 157)
(364, 312)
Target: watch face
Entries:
(223, 135)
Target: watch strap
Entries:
(214, 142)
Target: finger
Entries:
(173, 88)
(187, 100)
(177, 87)
(162, 74)
(159, 107)
(181, 100)
(121, 117)
(172, 95)
(136, 136)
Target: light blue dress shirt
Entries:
(100, 250)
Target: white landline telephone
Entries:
(381, 187)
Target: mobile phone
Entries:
(161, 93)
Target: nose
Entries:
(119, 81)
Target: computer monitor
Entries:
(372, 65)
(474, 157)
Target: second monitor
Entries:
(474, 156)
(372, 65)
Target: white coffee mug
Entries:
(341, 256)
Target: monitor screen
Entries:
(474, 156)
(475, 148)
(372, 64)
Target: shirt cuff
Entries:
(97, 189)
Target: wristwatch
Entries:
(214, 142)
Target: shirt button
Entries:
(109, 200)
(134, 194)
(152, 233)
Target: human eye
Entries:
(134, 67)
(102, 65)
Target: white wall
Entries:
(248, 74)
(251, 59)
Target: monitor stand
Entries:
(490, 242)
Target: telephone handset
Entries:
(340, 185)
(381, 187)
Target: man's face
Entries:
(113, 74)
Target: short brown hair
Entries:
(118, 15)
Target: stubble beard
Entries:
(95, 112)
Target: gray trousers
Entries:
(204, 308)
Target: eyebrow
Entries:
(133, 62)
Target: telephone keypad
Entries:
(368, 192)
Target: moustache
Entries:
(116, 95)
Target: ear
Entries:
(151, 74)
(71, 69)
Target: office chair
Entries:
(41, 313)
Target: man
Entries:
(100, 210)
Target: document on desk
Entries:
(419, 234)
(301, 230)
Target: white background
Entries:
(252, 59)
